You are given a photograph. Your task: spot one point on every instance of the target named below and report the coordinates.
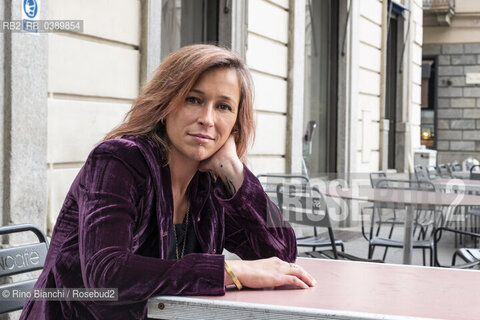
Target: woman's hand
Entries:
(271, 272)
(226, 165)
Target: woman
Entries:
(156, 202)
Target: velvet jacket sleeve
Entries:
(254, 226)
(111, 184)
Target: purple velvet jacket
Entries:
(114, 227)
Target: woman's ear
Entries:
(235, 130)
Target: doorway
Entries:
(186, 22)
(321, 84)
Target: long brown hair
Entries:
(169, 86)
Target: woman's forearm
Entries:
(230, 172)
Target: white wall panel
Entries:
(415, 116)
(281, 3)
(415, 133)
(267, 56)
(84, 67)
(417, 13)
(373, 135)
(75, 127)
(259, 164)
(271, 134)
(372, 165)
(59, 184)
(467, 6)
(416, 74)
(369, 57)
(419, 3)
(418, 32)
(270, 92)
(416, 54)
(371, 104)
(372, 9)
(370, 32)
(369, 82)
(369, 136)
(117, 20)
(268, 20)
(416, 94)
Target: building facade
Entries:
(451, 94)
(353, 67)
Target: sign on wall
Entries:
(30, 15)
(472, 78)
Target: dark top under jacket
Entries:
(191, 245)
(115, 227)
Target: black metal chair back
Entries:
(375, 176)
(375, 240)
(432, 173)
(399, 184)
(20, 259)
(270, 182)
(420, 172)
(444, 172)
(305, 205)
(456, 166)
(474, 172)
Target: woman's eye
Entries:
(225, 107)
(193, 100)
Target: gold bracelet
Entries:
(233, 276)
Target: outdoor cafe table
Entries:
(345, 290)
(411, 199)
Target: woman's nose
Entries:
(206, 117)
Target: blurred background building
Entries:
(451, 78)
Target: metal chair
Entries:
(474, 172)
(421, 219)
(392, 221)
(375, 176)
(459, 217)
(420, 172)
(270, 181)
(456, 166)
(20, 259)
(443, 171)
(471, 256)
(306, 205)
(432, 173)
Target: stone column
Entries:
(151, 38)
(24, 122)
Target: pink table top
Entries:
(384, 289)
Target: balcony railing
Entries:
(438, 4)
(444, 10)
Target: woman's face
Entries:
(204, 121)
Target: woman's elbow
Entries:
(104, 271)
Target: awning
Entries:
(397, 8)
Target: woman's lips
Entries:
(200, 138)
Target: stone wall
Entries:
(458, 113)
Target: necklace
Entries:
(184, 237)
